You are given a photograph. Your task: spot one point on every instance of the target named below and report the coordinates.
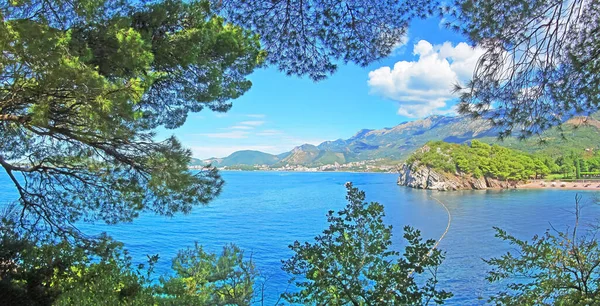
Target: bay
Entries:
(264, 212)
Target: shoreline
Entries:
(536, 185)
(291, 171)
(590, 186)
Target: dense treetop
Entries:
(84, 84)
(480, 159)
(353, 262)
(37, 269)
(540, 65)
(311, 37)
(555, 268)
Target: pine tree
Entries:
(85, 84)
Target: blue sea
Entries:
(264, 212)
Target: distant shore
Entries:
(592, 186)
(558, 185)
(291, 171)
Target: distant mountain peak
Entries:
(361, 133)
(394, 143)
(305, 147)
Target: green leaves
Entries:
(36, 269)
(540, 65)
(479, 160)
(203, 278)
(312, 37)
(351, 263)
(557, 268)
(84, 84)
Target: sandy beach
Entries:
(595, 185)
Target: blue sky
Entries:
(281, 112)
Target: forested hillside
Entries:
(480, 159)
(494, 161)
(576, 135)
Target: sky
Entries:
(281, 112)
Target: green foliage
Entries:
(37, 269)
(557, 268)
(203, 278)
(351, 263)
(568, 165)
(528, 79)
(312, 36)
(242, 167)
(591, 174)
(479, 160)
(84, 84)
(556, 141)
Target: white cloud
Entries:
(252, 123)
(269, 133)
(240, 131)
(276, 146)
(245, 125)
(227, 135)
(240, 127)
(423, 87)
(273, 144)
(259, 116)
(437, 107)
(225, 150)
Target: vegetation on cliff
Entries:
(494, 161)
(480, 159)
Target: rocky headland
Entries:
(419, 176)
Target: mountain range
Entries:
(398, 142)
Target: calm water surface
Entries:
(264, 212)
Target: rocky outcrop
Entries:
(422, 177)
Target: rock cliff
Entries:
(422, 177)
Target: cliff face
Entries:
(421, 177)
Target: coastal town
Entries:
(376, 165)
